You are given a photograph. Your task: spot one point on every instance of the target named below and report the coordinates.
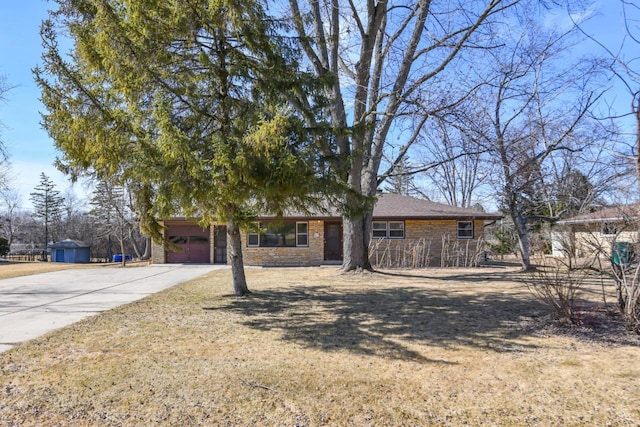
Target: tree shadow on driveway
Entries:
(388, 322)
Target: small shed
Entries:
(71, 251)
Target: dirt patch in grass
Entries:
(312, 347)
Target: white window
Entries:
(302, 234)
(379, 229)
(396, 230)
(253, 236)
(387, 229)
(465, 229)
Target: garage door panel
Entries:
(193, 241)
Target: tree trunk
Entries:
(635, 106)
(235, 255)
(355, 244)
(134, 245)
(523, 237)
(147, 248)
(124, 257)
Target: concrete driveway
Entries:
(32, 305)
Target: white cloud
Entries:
(563, 20)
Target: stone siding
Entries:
(427, 243)
(421, 247)
(158, 255)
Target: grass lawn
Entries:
(311, 347)
(9, 269)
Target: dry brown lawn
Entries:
(311, 347)
(16, 269)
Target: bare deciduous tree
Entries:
(458, 164)
(11, 217)
(625, 68)
(533, 108)
(114, 214)
(5, 166)
(382, 61)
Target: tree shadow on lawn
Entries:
(510, 276)
(386, 322)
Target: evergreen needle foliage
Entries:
(187, 101)
(47, 205)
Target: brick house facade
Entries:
(407, 232)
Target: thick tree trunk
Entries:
(356, 244)
(523, 238)
(235, 256)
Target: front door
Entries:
(220, 244)
(333, 241)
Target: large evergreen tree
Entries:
(184, 99)
(47, 205)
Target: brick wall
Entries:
(421, 247)
(157, 253)
(427, 243)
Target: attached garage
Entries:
(188, 244)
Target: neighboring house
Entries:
(72, 251)
(587, 234)
(406, 232)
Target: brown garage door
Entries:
(193, 244)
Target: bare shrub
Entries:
(557, 286)
(388, 254)
(626, 272)
(622, 255)
(461, 253)
(419, 253)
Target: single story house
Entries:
(406, 232)
(584, 235)
(71, 251)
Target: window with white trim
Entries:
(379, 229)
(396, 229)
(465, 229)
(253, 238)
(302, 233)
(279, 234)
(387, 229)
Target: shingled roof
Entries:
(611, 214)
(394, 206)
(397, 206)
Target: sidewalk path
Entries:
(32, 305)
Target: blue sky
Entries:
(32, 151)
(30, 148)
